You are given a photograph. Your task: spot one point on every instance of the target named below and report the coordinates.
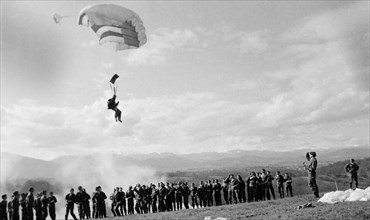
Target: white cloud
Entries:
(248, 42)
(160, 44)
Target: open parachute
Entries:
(115, 24)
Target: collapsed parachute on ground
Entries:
(114, 23)
(349, 195)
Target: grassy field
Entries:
(275, 209)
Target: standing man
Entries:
(15, 206)
(44, 205)
(86, 204)
(225, 189)
(270, 185)
(311, 169)
(288, 185)
(194, 195)
(70, 203)
(280, 184)
(3, 207)
(30, 200)
(23, 205)
(130, 200)
(186, 193)
(217, 188)
(352, 169)
(51, 201)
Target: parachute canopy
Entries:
(114, 78)
(114, 23)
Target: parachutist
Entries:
(112, 104)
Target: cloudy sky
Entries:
(213, 76)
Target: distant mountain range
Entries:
(26, 168)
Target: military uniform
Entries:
(225, 188)
(178, 197)
(130, 201)
(30, 201)
(162, 193)
(193, 196)
(352, 169)
(252, 188)
(44, 207)
(37, 204)
(311, 169)
(3, 210)
(288, 186)
(280, 184)
(51, 201)
(15, 208)
(186, 193)
(70, 202)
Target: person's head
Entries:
(268, 172)
(130, 187)
(80, 188)
(4, 197)
(83, 190)
(263, 171)
(277, 172)
(71, 190)
(44, 193)
(23, 195)
(312, 154)
(352, 160)
(51, 194)
(120, 189)
(16, 194)
(31, 190)
(193, 184)
(286, 174)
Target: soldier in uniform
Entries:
(178, 196)
(113, 202)
(252, 187)
(194, 195)
(264, 185)
(15, 206)
(10, 208)
(270, 185)
(95, 205)
(30, 200)
(118, 202)
(70, 203)
(169, 201)
(185, 194)
(202, 194)
(37, 204)
(209, 197)
(233, 189)
(217, 188)
(51, 201)
(242, 197)
(288, 185)
(311, 169)
(162, 193)
(280, 184)
(225, 189)
(138, 199)
(79, 202)
(86, 204)
(120, 199)
(44, 205)
(130, 200)
(352, 169)
(23, 204)
(154, 193)
(3, 207)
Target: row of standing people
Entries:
(40, 204)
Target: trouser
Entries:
(266, 192)
(225, 193)
(52, 212)
(271, 189)
(117, 208)
(236, 195)
(130, 206)
(29, 213)
(112, 208)
(123, 207)
(179, 202)
(169, 204)
(87, 212)
(281, 190)
(289, 190)
(38, 213)
(3, 216)
(231, 196)
(252, 194)
(15, 215)
(161, 205)
(194, 201)
(243, 197)
(10, 213)
(138, 206)
(44, 213)
(218, 198)
(69, 209)
(312, 183)
(154, 204)
(354, 178)
(202, 201)
(186, 201)
(81, 213)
